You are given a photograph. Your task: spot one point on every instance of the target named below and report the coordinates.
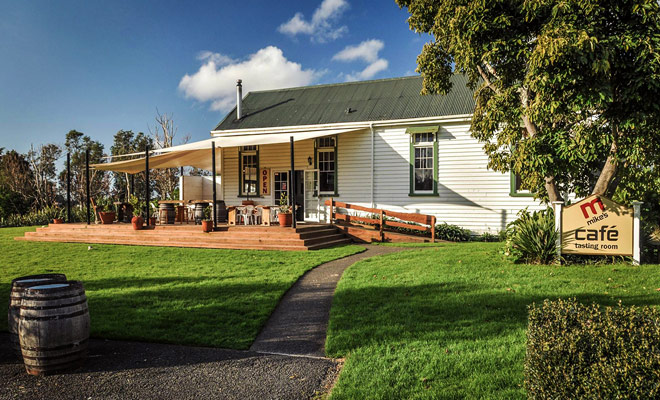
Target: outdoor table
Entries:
(232, 211)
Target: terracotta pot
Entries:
(152, 221)
(137, 223)
(107, 217)
(285, 219)
(207, 226)
(58, 220)
(247, 202)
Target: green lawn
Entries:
(190, 296)
(449, 322)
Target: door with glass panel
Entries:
(280, 186)
(311, 205)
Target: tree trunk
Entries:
(551, 188)
(606, 183)
(532, 130)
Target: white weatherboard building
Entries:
(377, 144)
(380, 144)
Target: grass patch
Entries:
(202, 297)
(449, 322)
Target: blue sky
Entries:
(99, 67)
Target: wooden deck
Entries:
(304, 237)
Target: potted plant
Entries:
(58, 218)
(104, 208)
(137, 220)
(207, 222)
(154, 213)
(284, 215)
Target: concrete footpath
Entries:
(299, 324)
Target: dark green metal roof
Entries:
(379, 100)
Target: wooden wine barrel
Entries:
(18, 286)
(221, 211)
(53, 327)
(199, 212)
(166, 213)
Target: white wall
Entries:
(469, 195)
(199, 187)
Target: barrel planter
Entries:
(166, 213)
(18, 287)
(53, 327)
(107, 217)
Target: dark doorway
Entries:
(300, 195)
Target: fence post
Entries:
(637, 250)
(558, 205)
(382, 225)
(432, 228)
(332, 210)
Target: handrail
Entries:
(382, 222)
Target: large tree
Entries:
(164, 131)
(44, 173)
(77, 143)
(566, 90)
(16, 194)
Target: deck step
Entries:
(304, 237)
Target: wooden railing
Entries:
(427, 221)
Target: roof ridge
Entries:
(336, 84)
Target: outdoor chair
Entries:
(257, 216)
(249, 215)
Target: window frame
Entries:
(512, 187)
(413, 132)
(326, 149)
(241, 153)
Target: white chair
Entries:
(249, 215)
(258, 214)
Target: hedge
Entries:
(576, 351)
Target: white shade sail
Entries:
(198, 154)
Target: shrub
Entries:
(582, 352)
(452, 233)
(43, 216)
(532, 237)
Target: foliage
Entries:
(159, 294)
(285, 208)
(532, 237)
(44, 172)
(449, 321)
(488, 237)
(104, 204)
(77, 143)
(138, 206)
(578, 74)
(452, 233)
(579, 351)
(208, 213)
(43, 216)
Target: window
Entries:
(281, 183)
(423, 166)
(326, 161)
(249, 170)
(517, 189)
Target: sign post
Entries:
(637, 250)
(558, 207)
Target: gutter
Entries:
(347, 125)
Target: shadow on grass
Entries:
(444, 312)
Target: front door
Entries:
(311, 196)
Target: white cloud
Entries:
(320, 28)
(217, 58)
(215, 81)
(367, 52)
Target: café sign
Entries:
(597, 226)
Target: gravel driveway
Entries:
(132, 370)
